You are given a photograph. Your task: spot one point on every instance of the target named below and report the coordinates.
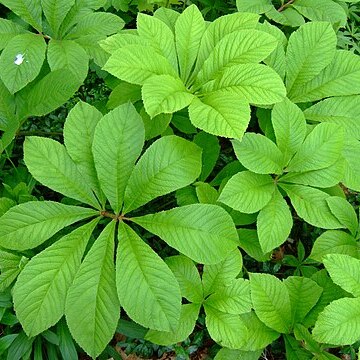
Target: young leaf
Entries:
(28, 225)
(203, 232)
(170, 97)
(93, 295)
(21, 60)
(344, 270)
(220, 113)
(189, 29)
(248, 192)
(259, 154)
(258, 84)
(118, 141)
(50, 164)
(310, 204)
(289, 126)
(226, 329)
(274, 223)
(271, 301)
(187, 276)
(47, 277)
(141, 277)
(188, 316)
(339, 323)
(168, 164)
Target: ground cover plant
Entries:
(208, 208)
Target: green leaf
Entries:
(93, 295)
(344, 212)
(188, 316)
(271, 301)
(258, 84)
(248, 192)
(168, 164)
(340, 110)
(167, 16)
(21, 60)
(229, 354)
(28, 225)
(159, 125)
(68, 54)
(159, 35)
(259, 154)
(47, 277)
(249, 242)
(66, 343)
(238, 47)
(226, 329)
(6, 341)
(55, 12)
(223, 273)
(7, 107)
(136, 63)
(141, 277)
(205, 193)
(170, 97)
(304, 294)
(310, 49)
(339, 323)
(123, 93)
(79, 131)
(187, 276)
(233, 299)
(189, 29)
(294, 350)
(310, 204)
(255, 6)
(21, 346)
(334, 242)
(7, 277)
(118, 141)
(290, 128)
(220, 113)
(50, 164)
(29, 10)
(321, 148)
(340, 77)
(203, 232)
(9, 29)
(344, 270)
(274, 223)
(351, 153)
(115, 42)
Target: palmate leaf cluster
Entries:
(212, 79)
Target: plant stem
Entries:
(283, 7)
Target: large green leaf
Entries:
(223, 273)
(259, 154)
(147, 289)
(226, 329)
(274, 223)
(21, 60)
(248, 192)
(258, 84)
(310, 204)
(169, 97)
(8, 29)
(310, 49)
(189, 29)
(47, 278)
(55, 12)
(167, 16)
(321, 148)
(7, 107)
(344, 270)
(29, 10)
(351, 155)
(339, 323)
(50, 164)
(27, 225)
(220, 113)
(79, 131)
(92, 308)
(159, 35)
(271, 301)
(255, 6)
(118, 141)
(230, 354)
(70, 55)
(289, 128)
(115, 42)
(249, 242)
(304, 294)
(203, 232)
(334, 242)
(136, 63)
(167, 165)
(187, 276)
